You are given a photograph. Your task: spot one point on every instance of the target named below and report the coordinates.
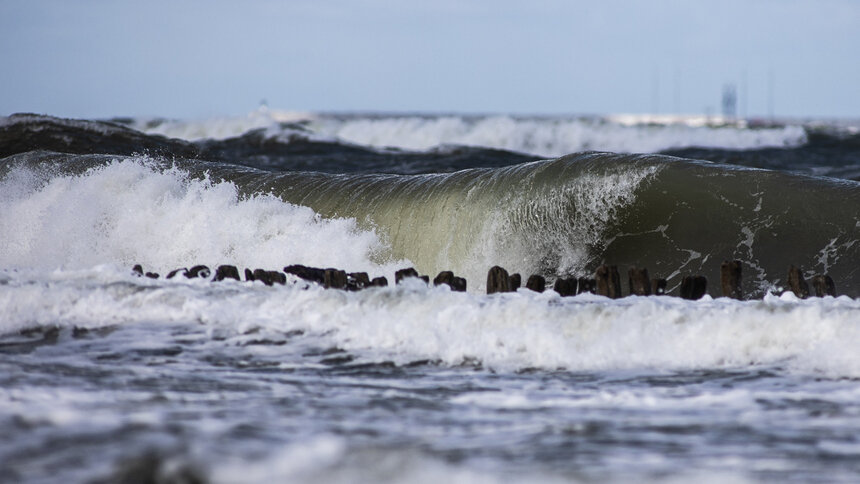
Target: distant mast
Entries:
(730, 102)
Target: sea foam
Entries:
(542, 136)
(132, 211)
(507, 332)
(553, 137)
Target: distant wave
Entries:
(540, 136)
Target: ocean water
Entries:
(110, 377)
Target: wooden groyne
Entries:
(606, 281)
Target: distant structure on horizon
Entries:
(730, 101)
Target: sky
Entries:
(193, 59)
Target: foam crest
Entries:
(554, 233)
(132, 211)
(219, 127)
(505, 332)
(542, 136)
(553, 137)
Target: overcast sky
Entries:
(174, 58)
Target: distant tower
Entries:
(730, 101)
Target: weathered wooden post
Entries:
(226, 272)
(198, 271)
(608, 281)
(516, 281)
(694, 287)
(730, 279)
(262, 275)
(565, 286)
(335, 279)
(585, 284)
(312, 274)
(249, 275)
(356, 281)
(638, 281)
(796, 283)
(447, 277)
(536, 283)
(823, 285)
(444, 277)
(379, 282)
(498, 280)
(658, 286)
(269, 277)
(404, 273)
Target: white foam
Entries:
(553, 137)
(506, 332)
(542, 136)
(221, 127)
(132, 212)
(520, 231)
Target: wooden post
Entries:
(796, 283)
(536, 283)
(730, 279)
(137, 270)
(565, 287)
(379, 282)
(585, 284)
(444, 277)
(249, 275)
(263, 276)
(278, 276)
(638, 281)
(458, 284)
(455, 283)
(824, 286)
(312, 274)
(269, 277)
(516, 281)
(356, 281)
(694, 287)
(226, 272)
(608, 281)
(335, 279)
(658, 286)
(198, 271)
(498, 280)
(404, 273)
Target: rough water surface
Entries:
(108, 377)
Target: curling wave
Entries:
(566, 216)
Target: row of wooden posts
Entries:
(606, 280)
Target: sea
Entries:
(109, 376)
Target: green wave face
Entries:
(569, 215)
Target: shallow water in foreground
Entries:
(301, 384)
